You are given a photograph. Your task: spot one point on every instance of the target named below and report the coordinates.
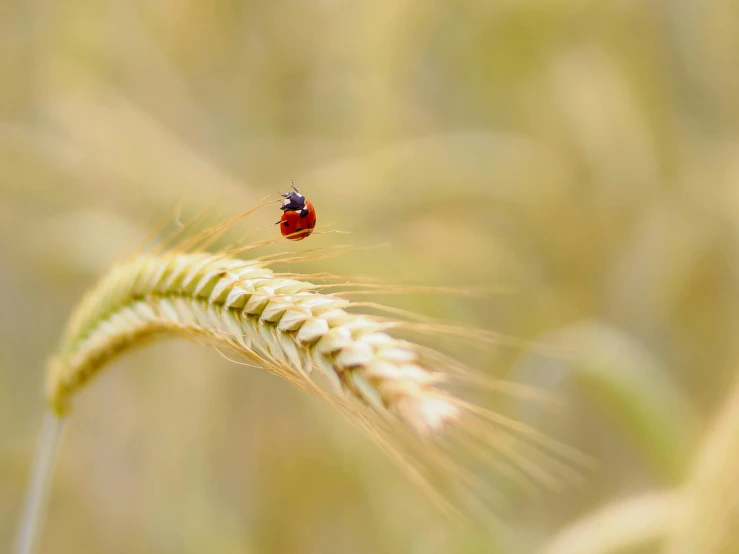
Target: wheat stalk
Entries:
(706, 520)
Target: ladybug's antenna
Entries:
(292, 184)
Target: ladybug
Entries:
(298, 218)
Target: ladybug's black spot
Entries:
(286, 224)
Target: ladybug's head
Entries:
(293, 200)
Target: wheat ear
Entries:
(279, 323)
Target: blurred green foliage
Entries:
(582, 154)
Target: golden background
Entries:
(582, 155)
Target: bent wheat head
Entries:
(281, 324)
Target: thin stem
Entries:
(39, 487)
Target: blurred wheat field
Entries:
(583, 156)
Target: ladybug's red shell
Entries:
(298, 224)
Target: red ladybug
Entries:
(299, 217)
